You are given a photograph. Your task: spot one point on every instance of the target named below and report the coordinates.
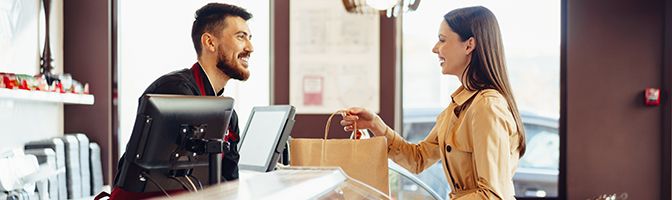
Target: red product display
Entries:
(652, 96)
(24, 85)
(63, 84)
(7, 81)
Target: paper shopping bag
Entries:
(362, 159)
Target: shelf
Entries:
(40, 96)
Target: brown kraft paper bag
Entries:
(362, 159)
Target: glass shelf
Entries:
(41, 96)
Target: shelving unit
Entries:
(41, 96)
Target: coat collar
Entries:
(461, 95)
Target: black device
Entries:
(176, 139)
(265, 137)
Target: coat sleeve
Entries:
(414, 157)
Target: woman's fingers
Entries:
(355, 110)
(348, 128)
(351, 118)
(346, 123)
(354, 115)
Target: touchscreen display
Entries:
(261, 137)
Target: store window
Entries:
(154, 38)
(531, 35)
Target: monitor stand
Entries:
(192, 140)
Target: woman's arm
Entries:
(414, 157)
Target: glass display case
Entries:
(314, 183)
(289, 183)
(405, 185)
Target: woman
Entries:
(480, 136)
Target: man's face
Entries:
(234, 49)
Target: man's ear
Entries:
(208, 42)
(471, 45)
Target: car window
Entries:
(415, 132)
(543, 148)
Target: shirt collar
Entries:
(209, 91)
(462, 94)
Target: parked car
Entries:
(537, 173)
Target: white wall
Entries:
(24, 121)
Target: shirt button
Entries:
(448, 148)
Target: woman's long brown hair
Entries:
(487, 69)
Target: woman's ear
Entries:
(207, 42)
(470, 45)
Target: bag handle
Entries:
(326, 134)
(326, 127)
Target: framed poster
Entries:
(334, 58)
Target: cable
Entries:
(200, 185)
(184, 185)
(155, 184)
(192, 183)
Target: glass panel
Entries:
(352, 190)
(288, 183)
(532, 48)
(404, 185)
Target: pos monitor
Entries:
(265, 135)
(176, 140)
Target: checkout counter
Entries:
(289, 183)
(313, 183)
(260, 178)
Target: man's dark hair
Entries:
(210, 18)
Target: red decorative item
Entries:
(24, 85)
(9, 84)
(358, 134)
(59, 87)
(6, 83)
(86, 88)
(652, 96)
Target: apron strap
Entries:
(195, 69)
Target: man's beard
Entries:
(230, 70)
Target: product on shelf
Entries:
(63, 84)
(2, 80)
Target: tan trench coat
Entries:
(478, 148)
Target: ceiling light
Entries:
(382, 4)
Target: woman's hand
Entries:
(364, 118)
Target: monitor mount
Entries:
(191, 142)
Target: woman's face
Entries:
(454, 54)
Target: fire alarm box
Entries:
(652, 96)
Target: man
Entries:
(221, 39)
